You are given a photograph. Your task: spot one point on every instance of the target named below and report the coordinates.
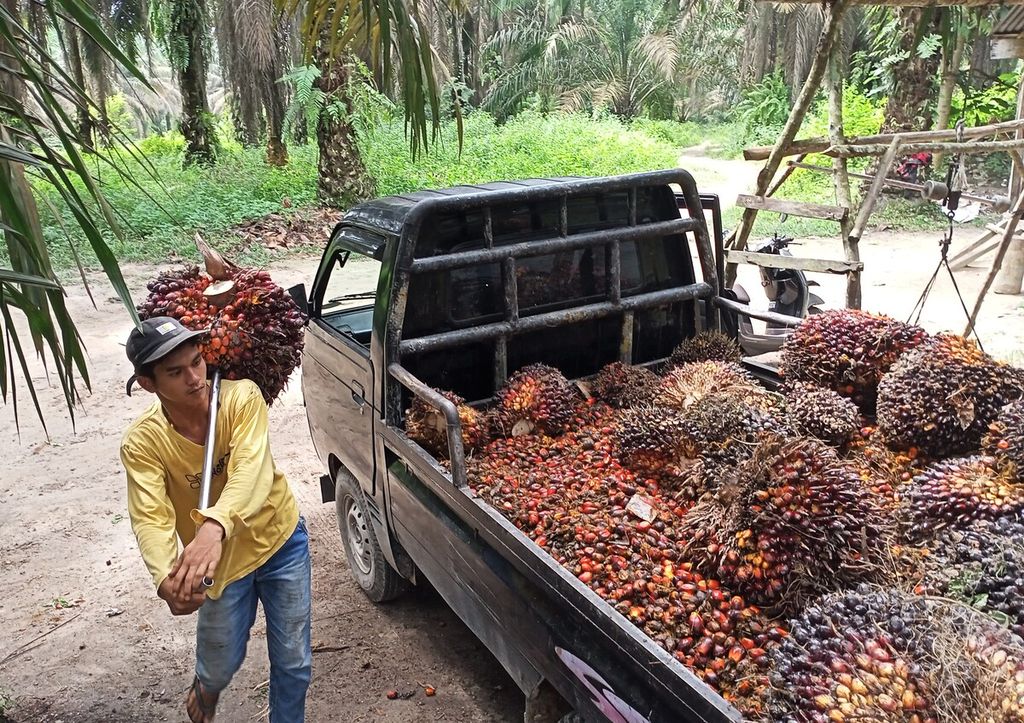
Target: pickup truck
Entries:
(456, 289)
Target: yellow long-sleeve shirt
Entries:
(251, 498)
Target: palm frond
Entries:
(661, 52)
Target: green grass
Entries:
(161, 218)
(529, 146)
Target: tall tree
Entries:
(913, 75)
(252, 45)
(392, 32)
(182, 27)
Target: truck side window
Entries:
(348, 295)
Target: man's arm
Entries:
(152, 518)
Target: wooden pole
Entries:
(968, 147)
(818, 145)
(841, 179)
(1011, 276)
(834, 12)
(871, 197)
(1004, 245)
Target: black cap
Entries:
(154, 339)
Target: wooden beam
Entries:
(774, 261)
(793, 208)
(971, 252)
(1005, 48)
(819, 145)
(1011, 276)
(969, 148)
(834, 13)
(891, 182)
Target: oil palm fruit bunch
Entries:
(814, 411)
(536, 398)
(1004, 439)
(427, 426)
(942, 396)
(848, 351)
(724, 429)
(854, 656)
(981, 565)
(955, 492)
(648, 438)
(687, 384)
(623, 386)
(707, 346)
(792, 519)
(255, 327)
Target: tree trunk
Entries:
(274, 103)
(342, 178)
(83, 120)
(189, 21)
(913, 78)
(950, 73)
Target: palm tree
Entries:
(390, 34)
(39, 139)
(613, 54)
(182, 28)
(251, 46)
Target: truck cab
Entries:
(456, 290)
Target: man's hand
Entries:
(198, 560)
(186, 603)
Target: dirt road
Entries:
(85, 639)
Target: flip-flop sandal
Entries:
(207, 709)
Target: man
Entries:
(249, 545)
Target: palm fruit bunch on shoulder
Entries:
(942, 396)
(955, 492)
(427, 426)
(706, 346)
(814, 411)
(255, 327)
(687, 384)
(793, 519)
(1004, 439)
(848, 351)
(981, 565)
(537, 398)
(623, 385)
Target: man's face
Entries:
(179, 378)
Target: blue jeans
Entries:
(282, 584)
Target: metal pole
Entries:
(211, 442)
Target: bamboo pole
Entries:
(1004, 245)
(818, 145)
(833, 16)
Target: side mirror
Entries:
(298, 294)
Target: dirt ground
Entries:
(86, 639)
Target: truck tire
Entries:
(366, 561)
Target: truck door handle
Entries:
(358, 395)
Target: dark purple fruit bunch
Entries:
(1004, 439)
(707, 346)
(814, 411)
(537, 398)
(847, 351)
(623, 386)
(955, 492)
